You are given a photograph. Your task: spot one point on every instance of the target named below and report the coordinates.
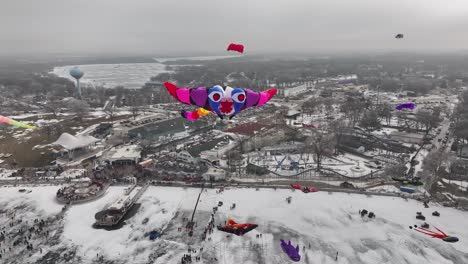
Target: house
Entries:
(292, 115)
(294, 89)
(339, 95)
(214, 174)
(74, 147)
(410, 138)
(464, 151)
(123, 154)
(185, 156)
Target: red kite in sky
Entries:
(236, 47)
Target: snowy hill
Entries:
(328, 221)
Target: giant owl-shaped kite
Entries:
(223, 101)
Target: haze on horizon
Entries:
(207, 26)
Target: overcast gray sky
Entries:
(159, 26)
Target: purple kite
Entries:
(406, 106)
(222, 101)
(291, 251)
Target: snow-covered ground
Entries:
(70, 174)
(42, 198)
(328, 222)
(385, 131)
(385, 188)
(421, 156)
(99, 113)
(6, 174)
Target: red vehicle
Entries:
(296, 186)
(192, 179)
(168, 178)
(305, 189)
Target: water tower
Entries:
(77, 74)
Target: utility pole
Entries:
(191, 223)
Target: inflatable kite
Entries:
(305, 189)
(310, 125)
(440, 234)
(223, 101)
(410, 106)
(9, 121)
(399, 36)
(237, 229)
(291, 251)
(236, 47)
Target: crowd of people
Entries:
(22, 235)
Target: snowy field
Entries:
(328, 222)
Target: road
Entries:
(439, 145)
(445, 125)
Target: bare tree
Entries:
(458, 169)
(309, 106)
(384, 111)
(53, 107)
(135, 110)
(109, 109)
(321, 145)
(433, 165)
(101, 95)
(353, 110)
(48, 130)
(328, 103)
(79, 107)
(337, 127)
(370, 120)
(395, 170)
(427, 119)
(135, 103)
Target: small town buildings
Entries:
(123, 155)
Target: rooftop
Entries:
(124, 152)
(125, 199)
(70, 142)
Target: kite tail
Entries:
(430, 233)
(12, 122)
(440, 231)
(21, 125)
(194, 115)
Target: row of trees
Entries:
(418, 85)
(460, 119)
(370, 115)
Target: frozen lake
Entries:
(128, 75)
(330, 223)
